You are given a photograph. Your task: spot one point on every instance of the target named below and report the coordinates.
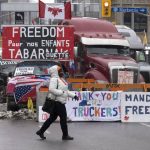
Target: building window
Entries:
(140, 22)
(127, 19)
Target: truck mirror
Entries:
(75, 51)
(146, 52)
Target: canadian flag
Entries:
(55, 11)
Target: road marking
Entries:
(45, 131)
(144, 124)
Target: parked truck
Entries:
(102, 53)
(137, 50)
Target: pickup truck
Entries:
(23, 82)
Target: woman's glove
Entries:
(76, 97)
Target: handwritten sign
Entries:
(135, 107)
(125, 76)
(37, 42)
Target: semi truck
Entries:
(137, 50)
(101, 52)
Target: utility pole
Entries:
(121, 13)
(83, 8)
(148, 27)
(132, 16)
(100, 8)
(0, 21)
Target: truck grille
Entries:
(146, 76)
(120, 73)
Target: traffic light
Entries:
(106, 8)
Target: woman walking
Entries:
(58, 90)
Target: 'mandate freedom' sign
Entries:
(37, 42)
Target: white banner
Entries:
(135, 107)
(96, 106)
(91, 106)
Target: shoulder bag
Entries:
(49, 104)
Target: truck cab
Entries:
(102, 53)
(137, 50)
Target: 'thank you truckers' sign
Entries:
(37, 42)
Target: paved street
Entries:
(20, 135)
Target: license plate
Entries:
(125, 77)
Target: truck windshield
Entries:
(107, 50)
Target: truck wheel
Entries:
(11, 105)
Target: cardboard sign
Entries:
(125, 77)
(43, 116)
(23, 71)
(3, 63)
(38, 42)
(91, 106)
(135, 107)
(94, 106)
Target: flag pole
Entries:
(39, 7)
(39, 12)
(67, 5)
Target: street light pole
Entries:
(83, 8)
(132, 16)
(148, 28)
(121, 14)
(100, 8)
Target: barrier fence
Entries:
(80, 84)
(112, 103)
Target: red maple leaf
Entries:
(54, 10)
